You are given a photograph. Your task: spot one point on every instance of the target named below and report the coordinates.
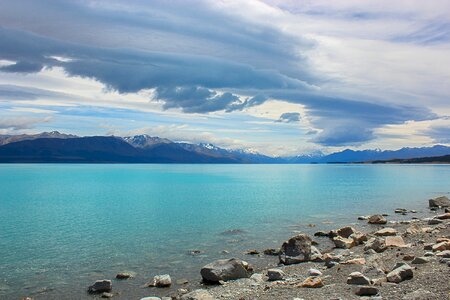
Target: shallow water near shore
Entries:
(63, 226)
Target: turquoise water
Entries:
(63, 226)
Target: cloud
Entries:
(289, 117)
(439, 134)
(18, 123)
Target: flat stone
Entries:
(312, 282)
(386, 232)
(366, 291)
(355, 261)
(376, 244)
(358, 278)
(395, 241)
(272, 252)
(444, 254)
(252, 252)
(445, 216)
(434, 221)
(420, 260)
(275, 274)
(442, 246)
(124, 275)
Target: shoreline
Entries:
(414, 233)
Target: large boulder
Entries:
(401, 272)
(439, 202)
(296, 250)
(225, 269)
(197, 295)
(100, 286)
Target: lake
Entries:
(63, 226)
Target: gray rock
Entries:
(316, 255)
(443, 254)
(420, 294)
(439, 202)
(257, 277)
(366, 291)
(225, 269)
(377, 219)
(358, 278)
(296, 250)
(272, 252)
(151, 298)
(197, 295)
(401, 272)
(420, 260)
(314, 272)
(376, 244)
(161, 281)
(434, 221)
(428, 254)
(275, 274)
(100, 286)
(107, 295)
(124, 275)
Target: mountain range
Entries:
(58, 147)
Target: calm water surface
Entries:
(63, 226)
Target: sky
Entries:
(279, 77)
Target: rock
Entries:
(363, 218)
(434, 221)
(439, 202)
(124, 275)
(107, 295)
(400, 210)
(322, 234)
(420, 294)
(428, 254)
(386, 232)
(358, 278)
(442, 246)
(272, 252)
(444, 254)
(182, 281)
(100, 286)
(161, 281)
(331, 260)
(197, 295)
(395, 241)
(342, 242)
(225, 269)
(296, 250)
(377, 219)
(355, 261)
(401, 272)
(345, 232)
(428, 246)
(366, 291)
(151, 298)
(312, 282)
(420, 260)
(252, 252)
(275, 274)
(445, 216)
(376, 244)
(359, 238)
(315, 255)
(408, 257)
(314, 272)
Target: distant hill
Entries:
(59, 147)
(353, 156)
(420, 160)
